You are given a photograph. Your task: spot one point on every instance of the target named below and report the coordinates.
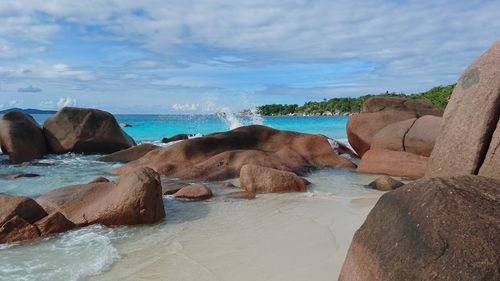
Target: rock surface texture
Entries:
(431, 229)
(469, 137)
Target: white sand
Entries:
(274, 237)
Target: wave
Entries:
(70, 256)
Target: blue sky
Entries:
(200, 56)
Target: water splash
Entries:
(247, 117)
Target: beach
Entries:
(273, 237)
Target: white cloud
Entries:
(185, 107)
(64, 102)
(16, 103)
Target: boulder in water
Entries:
(255, 178)
(85, 130)
(21, 137)
(135, 198)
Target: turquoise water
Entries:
(154, 127)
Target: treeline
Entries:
(439, 96)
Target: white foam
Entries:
(71, 256)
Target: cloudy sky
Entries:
(169, 56)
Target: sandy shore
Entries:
(274, 237)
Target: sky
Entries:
(181, 57)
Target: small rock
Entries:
(21, 175)
(177, 137)
(385, 183)
(125, 125)
(196, 191)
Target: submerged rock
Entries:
(220, 156)
(255, 178)
(21, 137)
(135, 198)
(393, 163)
(385, 183)
(129, 154)
(177, 137)
(21, 175)
(470, 119)
(195, 191)
(378, 112)
(85, 130)
(431, 229)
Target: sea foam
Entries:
(74, 255)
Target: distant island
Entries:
(439, 96)
(28, 111)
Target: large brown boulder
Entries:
(17, 214)
(220, 156)
(413, 135)
(392, 136)
(129, 154)
(378, 112)
(422, 135)
(135, 198)
(470, 119)
(255, 178)
(85, 130)
(431, 229)
(393, 163)
(21, 137)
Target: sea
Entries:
(206, 240)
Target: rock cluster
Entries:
(394, 136)
(69, 130)
(445, 226)
(135, 198)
